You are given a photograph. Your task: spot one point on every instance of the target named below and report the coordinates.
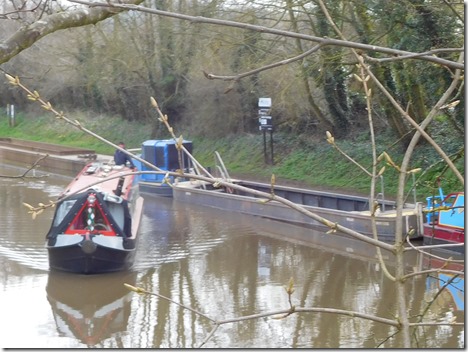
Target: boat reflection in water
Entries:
(91, 308)
(444, 296)
(453, 293)
(446, 289)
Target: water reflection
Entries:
(171, 234)
(22, 240)
(90, 308)
(453, 296)
(445, 292)
(222, 264)
(243, 271)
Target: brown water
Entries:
(222, 264)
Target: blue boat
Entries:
(163, 154)
(445, 221)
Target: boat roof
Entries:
(103, 177)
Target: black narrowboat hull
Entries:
(88, 257)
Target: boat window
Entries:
(117, 212)
(449, 200)
(62, 210)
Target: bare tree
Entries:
(29, 34)
(399, 277)
(365, 76)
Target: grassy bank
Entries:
(46, 128)
(301, 160)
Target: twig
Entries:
(331, 140)
(433, 271)
(7, 15)
(439, 292)
(239, 76)
(142, 291)
(24, 175)
(414, 55)
(424, 248)
(278, 314)
(165, 120)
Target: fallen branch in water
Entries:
(32, 167)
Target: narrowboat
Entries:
(347, 210)
(95, 225)
(445, 221)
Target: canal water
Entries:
(221, 264)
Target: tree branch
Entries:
(27, 35)
(262, 29)
(433, 271)
(34, 96)
(264, 68)
(415, 55)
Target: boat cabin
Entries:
(91, 213)
(453, 217)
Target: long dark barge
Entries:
(346, 210)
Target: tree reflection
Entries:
(246, 274)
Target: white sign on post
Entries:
(264, 111)
(264, 102)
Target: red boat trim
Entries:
(79, 226)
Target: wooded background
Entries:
(81, 56)
(114, 66)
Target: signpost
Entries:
(11, 115)
(266, 124)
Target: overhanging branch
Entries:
(27, 35)
(262, 29)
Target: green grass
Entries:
(51, 130)
(316, 163)
(301, 159)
